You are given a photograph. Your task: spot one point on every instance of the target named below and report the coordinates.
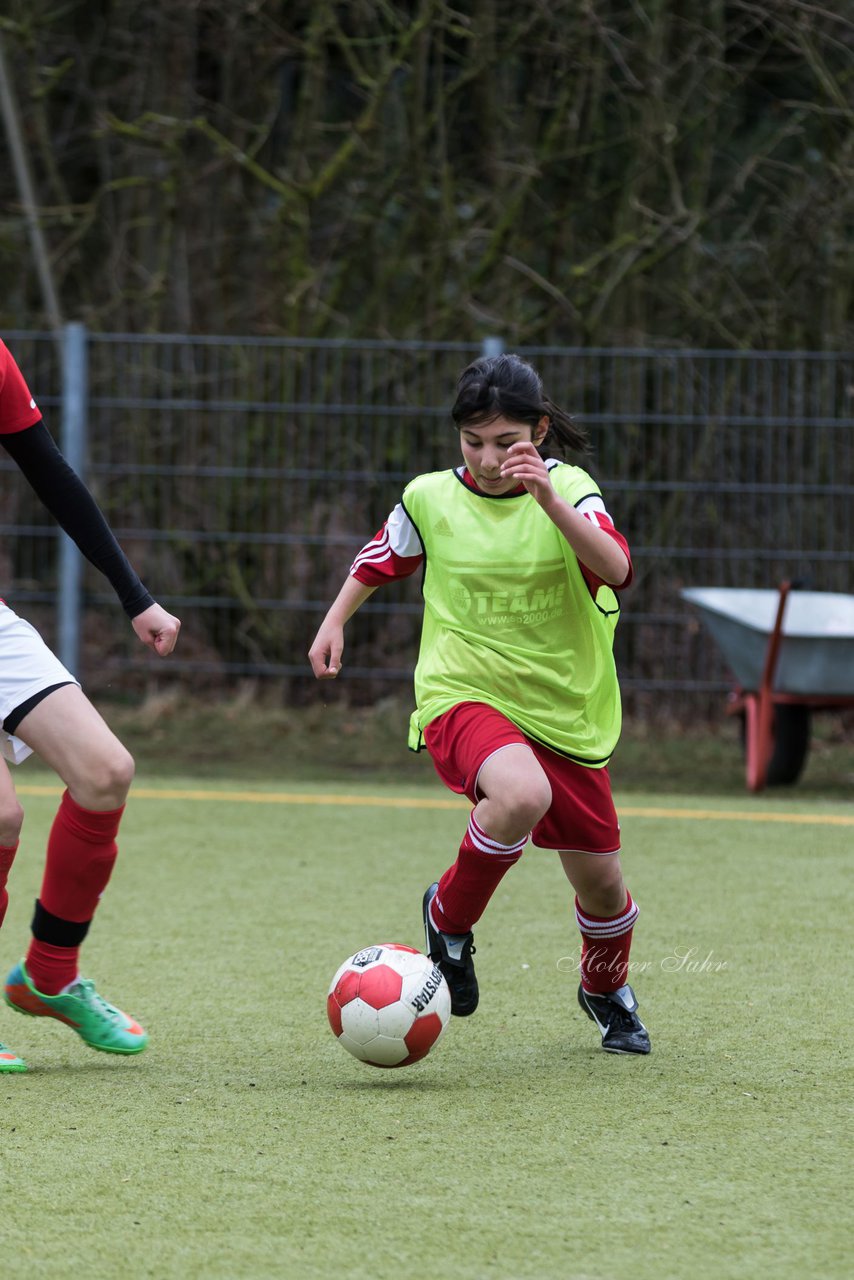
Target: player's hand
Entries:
(157, 629)
(526, 466)
(325, 653)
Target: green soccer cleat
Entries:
(10, 1061)
(98, 1024)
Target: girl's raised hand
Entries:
(526, 466)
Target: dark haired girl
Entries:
(517, 696)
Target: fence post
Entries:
(73, 439)
(492, 347)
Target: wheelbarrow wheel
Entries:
(790, 732)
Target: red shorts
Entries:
(581, 815)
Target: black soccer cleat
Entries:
(452, 952)
(616, 1017)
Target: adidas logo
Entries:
(442, 526)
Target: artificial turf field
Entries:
(246, 1143)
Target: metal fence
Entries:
(242, 475)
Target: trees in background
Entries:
(579, 171)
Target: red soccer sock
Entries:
(51, 968)
(81, 853)
(7, 857)
(606, 942)
(467, 886)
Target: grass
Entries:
(246, 1143)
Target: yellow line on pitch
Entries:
(735, 815)
(406, 802)
(264, 797)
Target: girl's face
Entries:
(485, 448)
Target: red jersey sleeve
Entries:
(593, 509)
(18, 409)
(394, 552)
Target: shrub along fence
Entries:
(242, 474)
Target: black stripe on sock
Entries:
(56, 931)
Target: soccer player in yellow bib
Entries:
(517, 698)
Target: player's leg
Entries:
(69, 735)
(514, 794)
(606, 914)
(11, 819)
(478, 751)
(582, 825)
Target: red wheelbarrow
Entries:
(791, 652)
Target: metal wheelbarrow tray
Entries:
(790, 652)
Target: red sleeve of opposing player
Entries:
(18, 409)
(394, 553)
(604, 523)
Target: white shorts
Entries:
(27, 667)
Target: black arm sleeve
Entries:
(76, 511)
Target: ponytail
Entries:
(564, 430)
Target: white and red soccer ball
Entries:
(388, 1005)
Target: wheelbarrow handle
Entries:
(760, 711)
